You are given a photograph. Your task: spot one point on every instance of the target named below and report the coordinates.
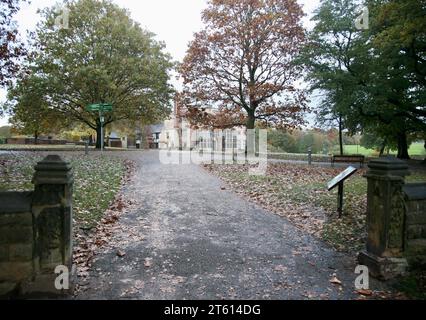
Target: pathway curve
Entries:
(191, 239)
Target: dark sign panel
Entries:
(341, 177)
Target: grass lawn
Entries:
(416, 149)
(97, 181)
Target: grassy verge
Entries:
(416, 149)
(97, 181)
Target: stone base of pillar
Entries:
(43, 286)
(384, 268)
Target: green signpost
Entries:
(101, 108)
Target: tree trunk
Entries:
(98, 136)
(36, 137)
(402, 146)
(251, 121)
(341, 135)
(180, 142)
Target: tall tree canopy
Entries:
(241, 64)
(331, 47)
(10, 47)
(103, 57)
(373, 79)
(30, 112)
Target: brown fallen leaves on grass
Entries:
(299, 193)
(89, 242)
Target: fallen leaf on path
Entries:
(364, 292)
(121, 253)
(334, 280)
(148, 262)
(280, 268)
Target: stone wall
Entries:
(396, 220)
(415, 199)
(36, 231)
(16, 239)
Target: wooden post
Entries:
(340, 200)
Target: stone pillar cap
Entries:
(388, 166)
(53, 170)
(53, 163)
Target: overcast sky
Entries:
(173, 21)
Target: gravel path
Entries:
(190, 238)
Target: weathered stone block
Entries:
(4, 252)
(21, 252)
(416, 231)
(383, 268)
(15, 202)
(415, 217)
(417, 262)
(16, 234)
(416, 247)
(15, 271)
(415, 191)
(43, 284)
(50, 260)
(7, 288)
(48, 195)
(49, 231)
(16, 219)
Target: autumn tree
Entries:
(239, 69)
(102, 57)
(11, 49)
(30, 113)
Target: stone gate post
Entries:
(52, 213)
(385, 218)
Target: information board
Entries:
(341, 177)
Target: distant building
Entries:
(115, 141)
(176, 133)
(154, 135)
